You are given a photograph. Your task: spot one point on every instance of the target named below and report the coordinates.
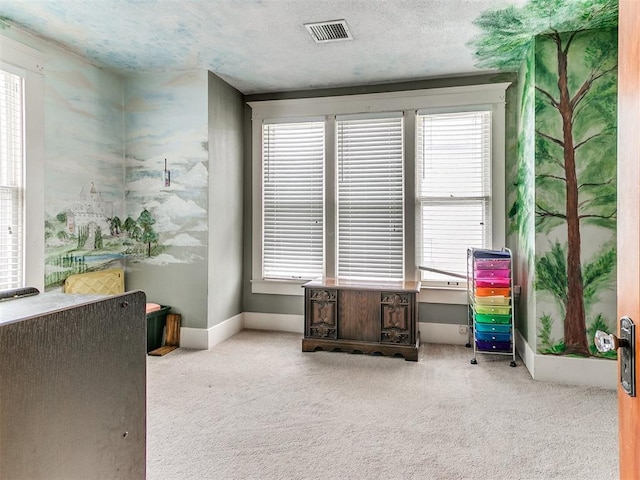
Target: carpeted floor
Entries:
(256, 407)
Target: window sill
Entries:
(278, 287)
(446, 295)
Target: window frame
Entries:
(452, 282)
(275, 203)
(348, 265)
(410, 102)
(29, 64)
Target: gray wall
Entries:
(182, 286)
(443, 313)
(226, 169)
(432, 312)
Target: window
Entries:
(453, 189)
(370, 198)
(21, 166)
(407, 177)
(11, 180)
(293, 166)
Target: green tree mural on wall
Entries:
(115, 225)
(575, 123)
(576, 171)
(149, 235)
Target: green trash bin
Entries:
(156, 322)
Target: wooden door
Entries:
(629, 219)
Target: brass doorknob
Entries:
(608, 341)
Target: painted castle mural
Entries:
(88, 236)
(114, 206)
(564, 194)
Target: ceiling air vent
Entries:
(332, 31)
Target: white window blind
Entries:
(453, 189)
(370, 198)
(293, 200)
(11, 183)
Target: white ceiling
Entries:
(262, 45)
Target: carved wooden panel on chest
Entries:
(396, 318)
(322, 318)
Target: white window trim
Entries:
(497, 175)
(30, 64)
(443, 99)
(396, 161)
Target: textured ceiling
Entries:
(262, 45)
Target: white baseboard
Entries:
(526, 353)
(274, 321)
(204, 339)
(196, 338)
(589, 372)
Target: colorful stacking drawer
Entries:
(493, 309)
(493, 346)
(493, 337)
(493, 300)
(489, 292)
(492, 264)
(493, 282)
(492, 274)
(490, 301)
(488, 318)
(493, 327)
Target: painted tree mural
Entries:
(576, 167)
(115, 225)
(575, 123)
(149, 235)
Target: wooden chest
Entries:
(365, 317)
